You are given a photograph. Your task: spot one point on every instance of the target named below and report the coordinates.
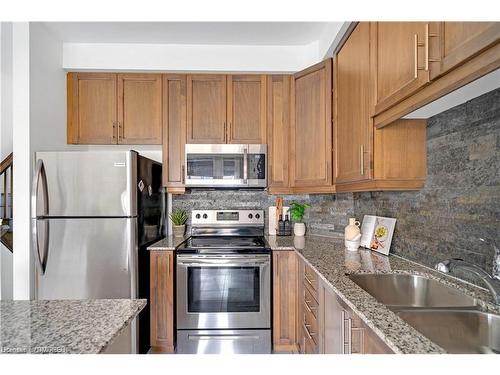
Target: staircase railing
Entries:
(6, 195)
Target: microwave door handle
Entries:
(245, 166)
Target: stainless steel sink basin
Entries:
(396, 290)
(457, 331)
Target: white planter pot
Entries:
(299, 229)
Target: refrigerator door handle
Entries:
(40, 177)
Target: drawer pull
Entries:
(309, 334)
(309, 307)
(311, 282)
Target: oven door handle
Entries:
(222, 337)
(227, 262)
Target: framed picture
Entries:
(377, 232)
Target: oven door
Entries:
(223, 291)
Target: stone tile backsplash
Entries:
(459, 203)
(328, 214)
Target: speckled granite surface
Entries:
(64, 326)
(330, 259)
(168, 243)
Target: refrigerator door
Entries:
(88, 258)
(86, 184)
(150, 212)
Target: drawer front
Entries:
(311, 279)
(308, 346)
(310, 324)
(310, 302)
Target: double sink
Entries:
(443, 314)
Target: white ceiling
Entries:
(200, 33)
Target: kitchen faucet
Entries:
(492, 281)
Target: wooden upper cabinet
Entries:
(174, 131)
(278, 130)
(92, 100)
(246, 109)
(139, 109)
(353, 126)
(400, 60)
(459, 41)
(311, 128)
(206, 108)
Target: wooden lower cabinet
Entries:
(325, 324)
(162, 301)
(284, 300)
(343, 332)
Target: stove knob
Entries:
(250, 216)
(205, 216)
(198, 216)
(257, 216)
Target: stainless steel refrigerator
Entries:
(93, 215)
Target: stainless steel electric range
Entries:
(224, 284)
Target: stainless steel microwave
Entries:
(226, 166)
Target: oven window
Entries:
(223, 289)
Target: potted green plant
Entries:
(297, 212)
(178, 218)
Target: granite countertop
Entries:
(64, 326)
(169, 243)
(333, 263)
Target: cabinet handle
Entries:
(183, 172)
(225, 132)
(309, 308)
(342, 331)
(428, 35)
(362, 159)
(114, 130)
(309, 334)
(308, 280)
(416, 44)
(230, 126)
(120, 130)
(349, 335)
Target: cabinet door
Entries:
(353, 123)
(92, 108)
(174, 131)
(278, 130)
(400, 61)
(139, 109)
(459, 41)
(206, 109)
(331, 327)
(162, 301)
(311, 130)
(284, 300)
(246, 109)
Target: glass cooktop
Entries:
(224, 244)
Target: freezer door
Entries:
(87, 258)
(86, 183)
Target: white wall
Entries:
(22, 160)
(5, 89)
(183, 58)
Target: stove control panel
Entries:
(227, 217)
